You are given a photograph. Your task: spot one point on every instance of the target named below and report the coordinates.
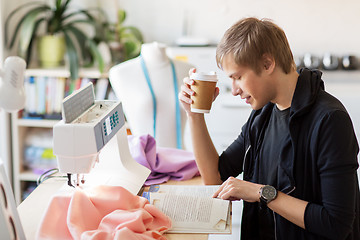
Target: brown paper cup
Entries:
(204, 88)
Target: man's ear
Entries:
(268, 62)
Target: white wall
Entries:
(311, 26)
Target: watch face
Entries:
(268, 193)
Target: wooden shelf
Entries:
(341, 76)
(62, 72)
(28, 176)
(44, 123)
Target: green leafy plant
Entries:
(124, 41)
(58, 19)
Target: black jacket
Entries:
(318, 164)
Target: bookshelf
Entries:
(24, 124)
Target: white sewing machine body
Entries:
(77, 145)
(87, 126)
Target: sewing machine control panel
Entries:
(106, 117)
(110, 123)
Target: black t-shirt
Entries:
(267, 166)
(275, 133)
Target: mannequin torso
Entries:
(131, 87)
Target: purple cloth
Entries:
(164, 163)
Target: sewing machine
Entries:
(86, 127)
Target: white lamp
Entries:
(12, 93)
(12, 99)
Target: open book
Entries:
(191, 208)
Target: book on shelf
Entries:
(101, 88)
(60, 94)
(41, 94)
(45, 94)
(50, 95)
(30, 91)
(191, 208)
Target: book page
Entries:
(192, 190)
(191, 208)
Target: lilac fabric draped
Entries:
(165, 163)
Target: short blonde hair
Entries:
(250, 38)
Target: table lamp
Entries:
(12, 99)
(12, 93)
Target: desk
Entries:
(34, 206)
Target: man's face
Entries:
(252, 87)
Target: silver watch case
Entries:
(267, 193)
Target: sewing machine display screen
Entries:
(107, 128)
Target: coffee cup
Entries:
(204, 88)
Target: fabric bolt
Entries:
(165, 163)
(102, 212)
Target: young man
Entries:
(297, 151)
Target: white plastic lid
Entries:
(210, 76)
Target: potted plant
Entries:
(124, 41)
(62, 25)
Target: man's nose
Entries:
(235, 90)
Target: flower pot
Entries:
(116, 50)
(51, 50)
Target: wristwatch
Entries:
(267, 194)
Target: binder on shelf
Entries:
(84, 81)
(50, 93)
(77, 84)
(30, 91)
(59, 95)
(101, 88)
(41, 95)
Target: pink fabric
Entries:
(165, 163)
(102, 213)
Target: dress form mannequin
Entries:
(130, 85)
